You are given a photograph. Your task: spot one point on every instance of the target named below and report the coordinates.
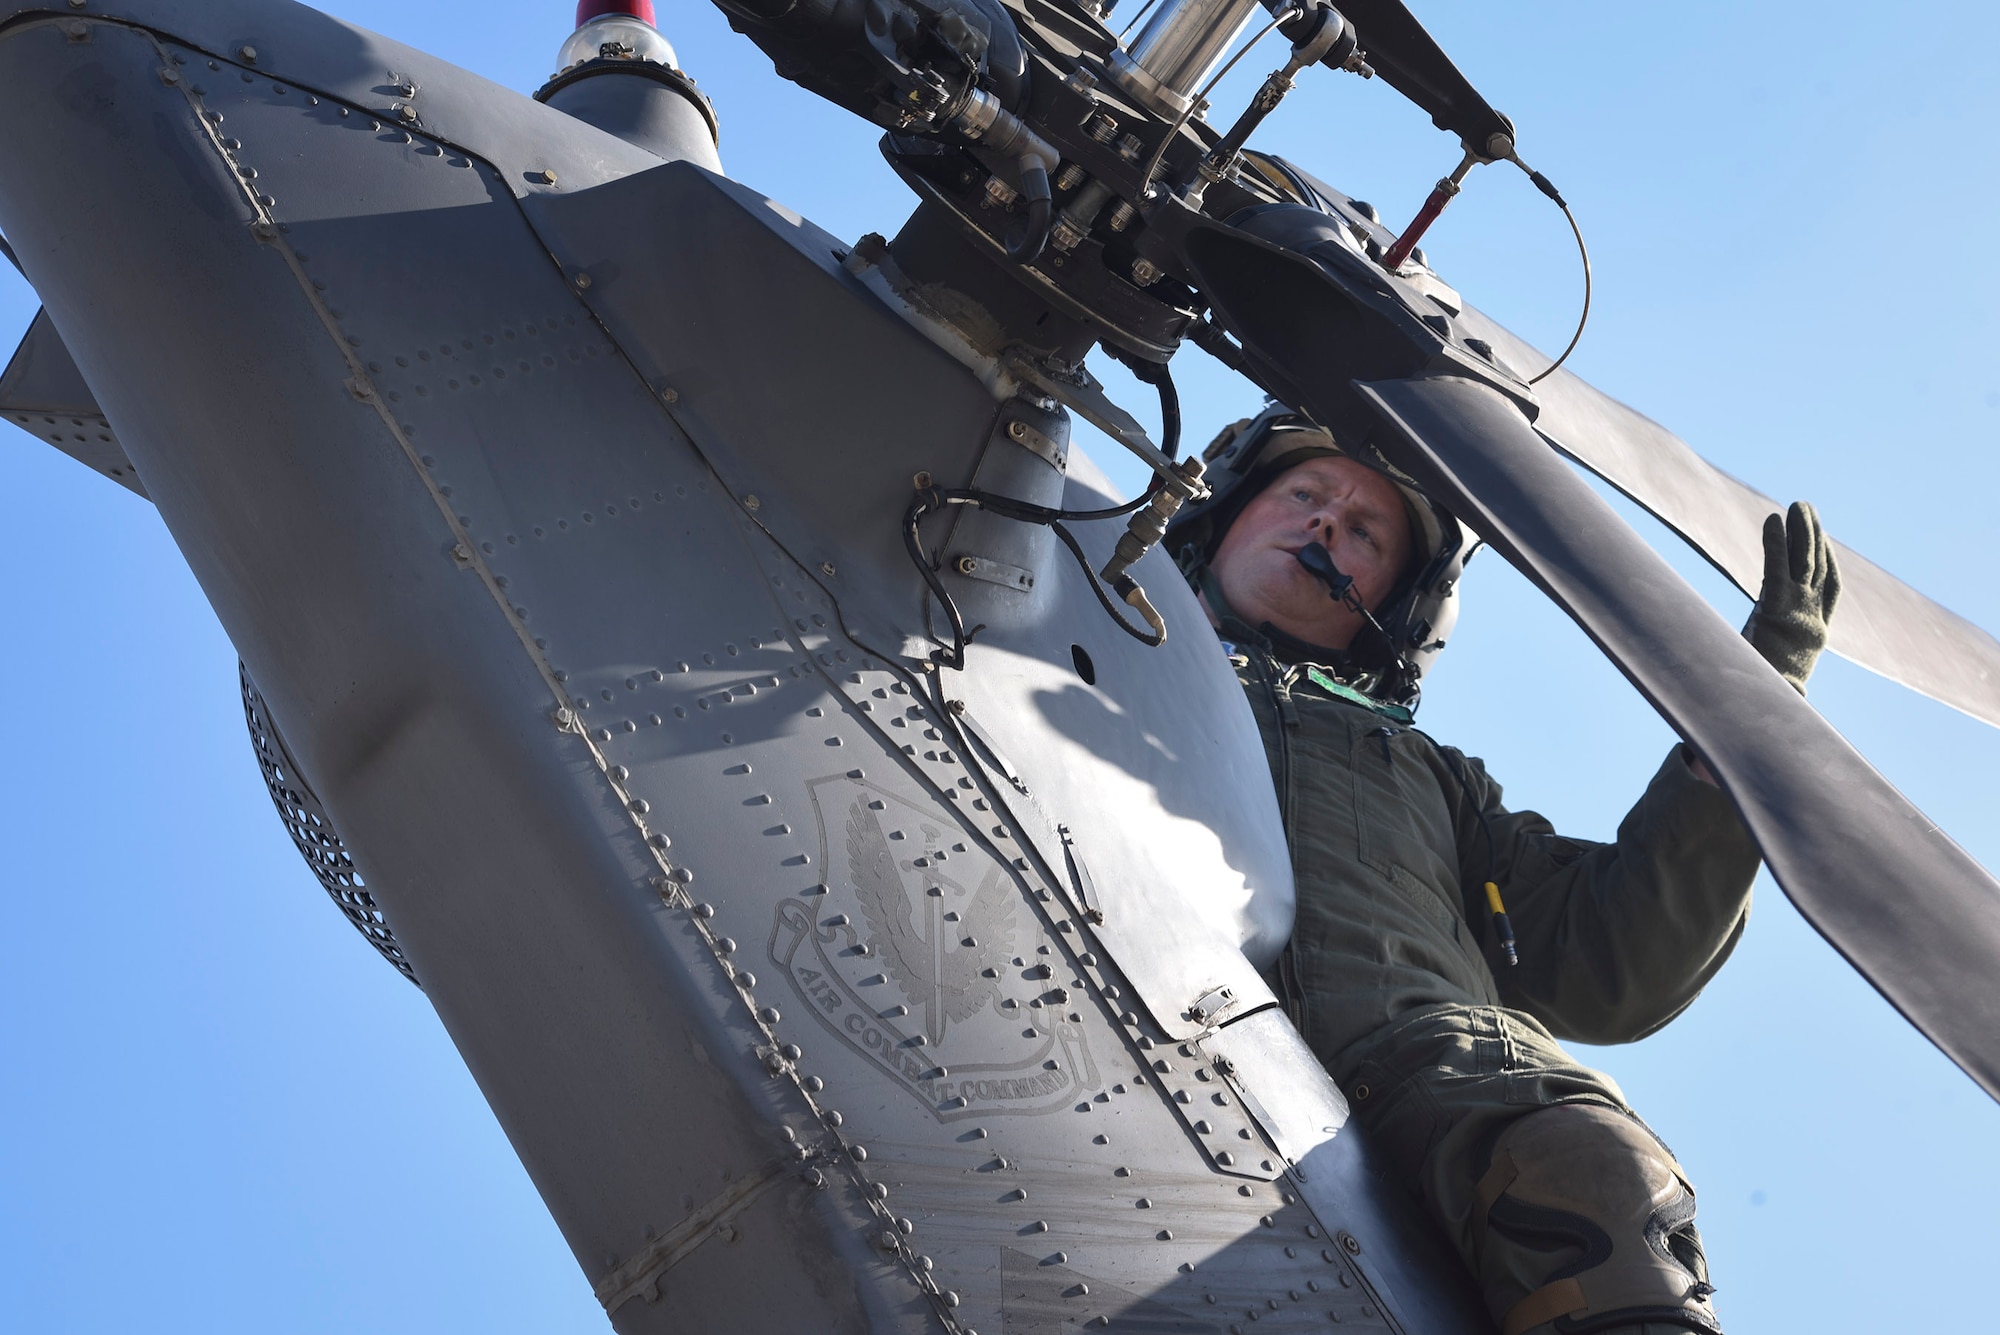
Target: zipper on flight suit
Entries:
(1277, 689)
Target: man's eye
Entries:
(1361, 532)
(1302, 495)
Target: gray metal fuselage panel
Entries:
(755, 968)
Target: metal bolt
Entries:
(249, 54)
(562, 717)
(1351, 1243)
(1144, 272)
(1122, 215)
(76, 4)
(750, 502)
(966, 565)
(1070, 177)
(461, 554)
(826, 568)
(170, 76)
(999, 194)
(670, 394)
(409, 113)
(1103, 127)
(1130, 147)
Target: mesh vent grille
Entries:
(313, 833)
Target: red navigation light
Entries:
(586, 10)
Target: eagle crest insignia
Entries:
(915, 956)
(934, 951)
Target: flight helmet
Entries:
(1387, 661)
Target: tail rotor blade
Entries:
(1907, 907)
(1884, 625)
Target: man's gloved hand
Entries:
(1801, 585)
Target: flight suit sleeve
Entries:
(1615, 939)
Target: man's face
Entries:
(1355, 511)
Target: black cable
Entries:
(1041, 215)
(934, 498)
(1114, 512)
(925, 502)
(1541, 183)
(1150, 639)
(1170, 415)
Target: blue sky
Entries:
(222, 1109)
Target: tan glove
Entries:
(1788, 626)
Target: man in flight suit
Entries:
(1418, 891)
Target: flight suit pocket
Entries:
(1403, 1117)
(1402, 826)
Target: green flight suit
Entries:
(1393, 976)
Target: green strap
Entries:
(1340, 691)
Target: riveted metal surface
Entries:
(43, 393)
(1271, 1071)
(836, 481)
(370, 73)
(609, 749)
(869, 401)
(600, 1025)
(1188, 800)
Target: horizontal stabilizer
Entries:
(44, 394)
